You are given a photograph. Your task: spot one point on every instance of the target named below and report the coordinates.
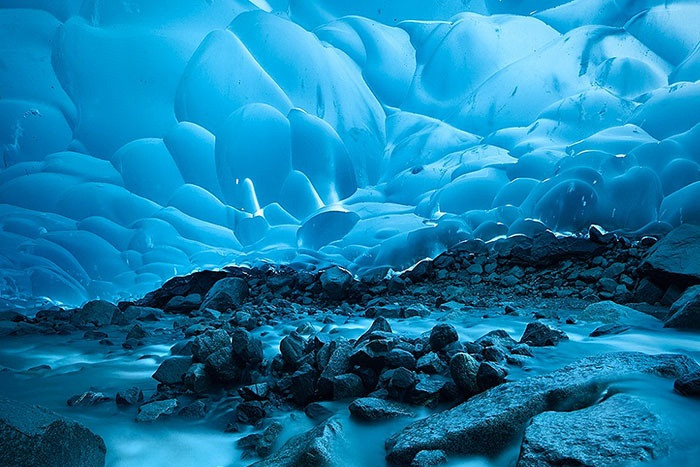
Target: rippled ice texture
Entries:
(142, 140)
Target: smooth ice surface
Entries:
(141, 141)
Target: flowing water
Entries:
(77, 364)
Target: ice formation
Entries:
(140, 141)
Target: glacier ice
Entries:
(141, 141)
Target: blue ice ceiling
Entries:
(142, 139)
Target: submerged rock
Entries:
(619, 430)
(318, 447)
(153, 410)
(489, 422)
(371, 409)
(540, 335)
(34, 436)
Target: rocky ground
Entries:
(234, 358)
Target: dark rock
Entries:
(689, 384)
(430, 363)
(336, 282)
(211, 341)
(196, 378)
(195, 410)
(316, 411)
(11, 315)
(489, 376)
(87, 399)
(676, 257)
(347, 385)
(338, 363)
(97, 312)
(129, 397)
(304, 384)
(371, 409)
(464, 368)
(183, 305)
(609, 329)
(621, 428)
(378, 325)
(250, 412)
(320, 446)
(154, 410)
(247, 350)
(258, 392)
(489, 422)
(540, 335)
(261, 443)
(172, 370)
(34, 436)
(292, 349)
(443, 335)
(416, 310)
(222, 366)
(136, 332)
(429, 458)
(612, 313)
(228, 293)
(648, 292)
(687, 314)
(399, 357)
(427, 390)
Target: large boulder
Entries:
(620, 430)
(489, 422)
(318, 447)
(227, 293)
(609, 312)
(676, 257)
(96, 313)
(336, 282)
(34, 436)
(685, 312)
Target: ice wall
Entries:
(141, 140)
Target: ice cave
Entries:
(329, 232)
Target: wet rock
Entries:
(196, 378)
(371, 409)
(320, 446)
(336, 282)
(35, 436)
(97, 313)
(258, 392)
(222, 366)
(129, 397)
(154, 410)
(687, 314)
(400, 357)
(610, 312)
(247, 350)
(489, 376)
(688, 385)
(648, 292)
(378, 325)
(430, 363)
(443, 335)
(316, 411)
(292, 349)
(304, 384)
(211, 341)
(621, 428)
(347, 385)
(87, 399)
(261, 444)
(228, 293)
(464, 369)
(609, 330)
(250, 412)
(183, 305)
(195, 410)
(416, 310)
(429, 458)
(489, 422)
(427, 390)
(136, 332)
(540, 335)
(172, 370)
(676, 257)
